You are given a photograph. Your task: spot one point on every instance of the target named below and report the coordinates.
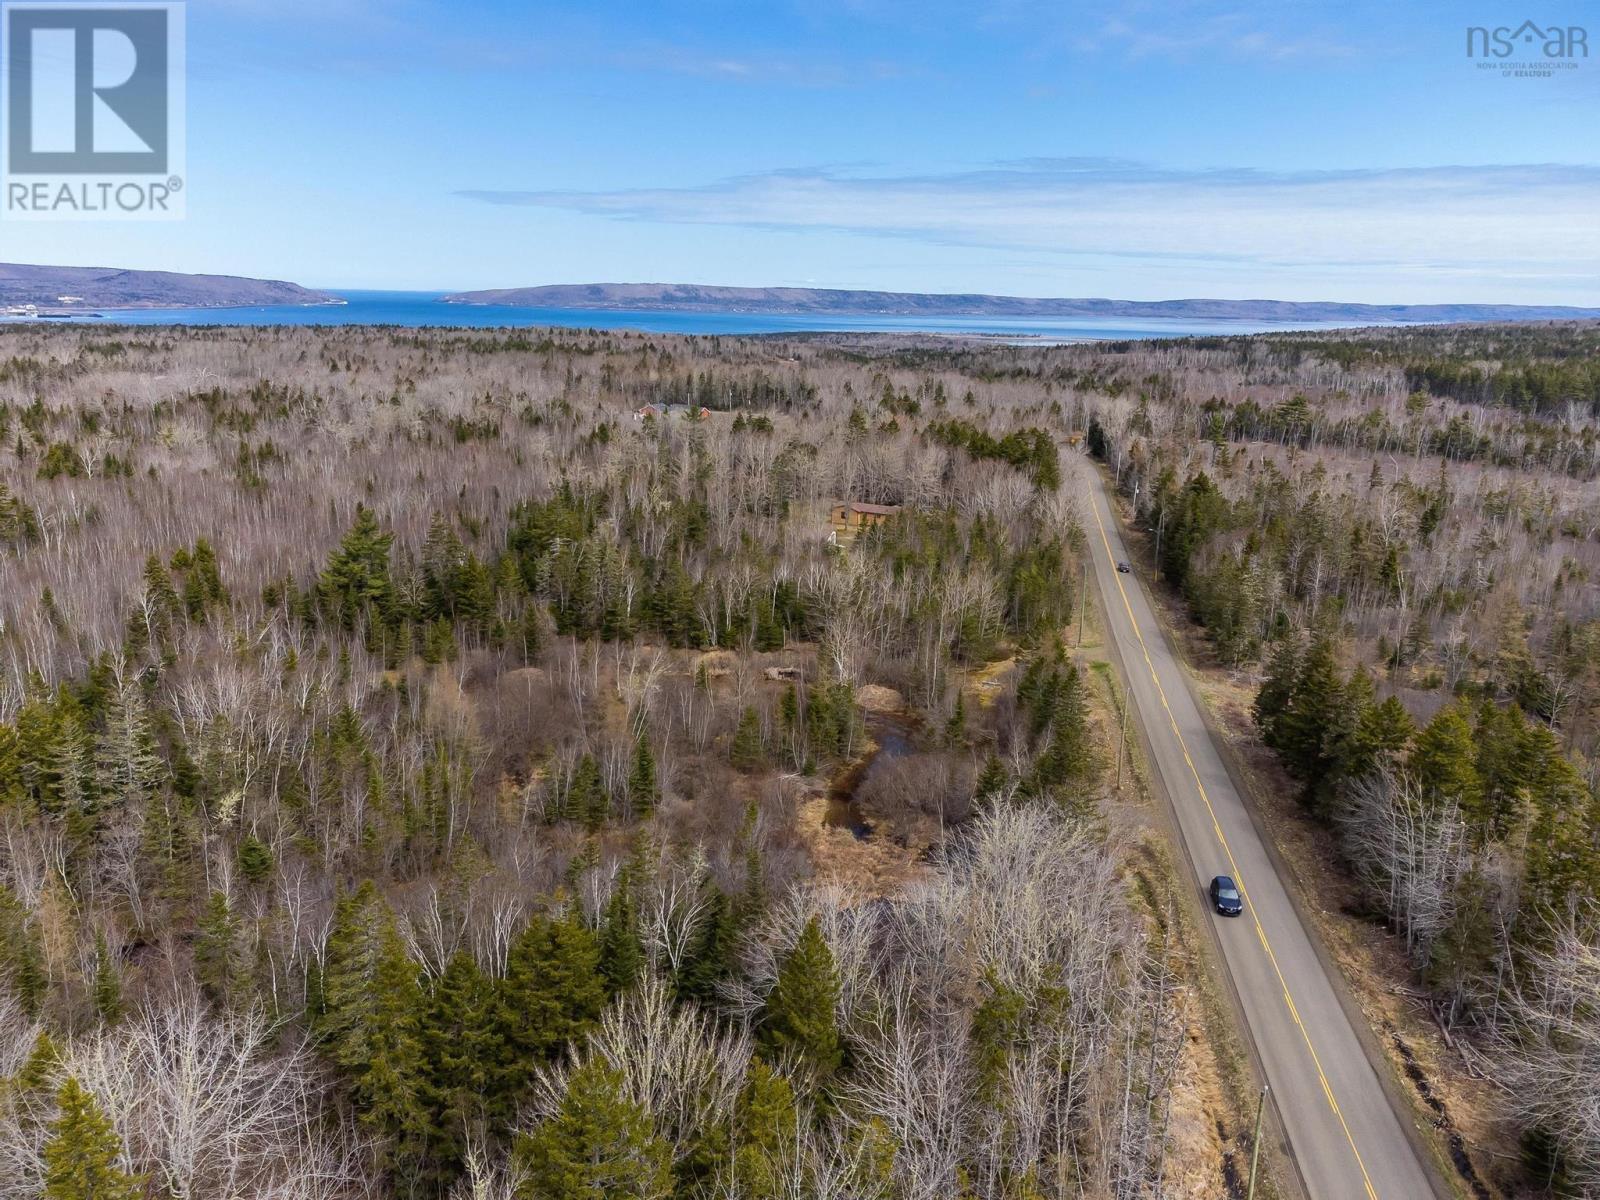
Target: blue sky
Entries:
(1292, 149)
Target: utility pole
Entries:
(1255, 1149)
(1083, 599)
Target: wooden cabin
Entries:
(853, 514)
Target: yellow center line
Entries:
(1238, 879)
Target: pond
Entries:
(891, 736)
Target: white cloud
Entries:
(1525, 222)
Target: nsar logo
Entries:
(1528, 50)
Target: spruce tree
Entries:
(747, 751)
(21, 957)
(766, 1126)
(82, 1158)
(1382, 734)
(552, 993)
(599, 1145)
(388, 1076)
(586, 794)
(1277, 689)
(218, 956)
(1307, 731)
(107, 983)
(800, 1015)
(459, 1050)
(356, 579)
(1444, 761)
(709, 955)
(642, 793)
(621, 950)
(39, 1070)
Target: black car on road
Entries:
(1225, 897)
(1123, 568)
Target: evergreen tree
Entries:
(800, 1015)
(218, 957)
(1383, 732)
(642, 793)
(767, 1125)
(709, 955)
(1444, 761)
(388, 1075)
(586, 794)
(356, 579)
(621, 950)
(459, 1051)
(992, 780)
(40, 1068)
(747, 751)
(1277, 689)
(107, 983)
(21, 957)
(1308, 733)
(82, 1158)
(599, 1145)
(552, 993)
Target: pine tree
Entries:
(800, 1011)
(82, 1158)
(599, 1145)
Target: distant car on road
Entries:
(1123, 568)
(1225, 897)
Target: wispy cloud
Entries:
(1522, 221)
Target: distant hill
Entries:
(109, 287)
(686, 297)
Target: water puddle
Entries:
(892, 737)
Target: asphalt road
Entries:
(1343, 1132)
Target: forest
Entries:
(406, 753)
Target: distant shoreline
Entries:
(829, 302)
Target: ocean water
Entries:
(424, 309)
